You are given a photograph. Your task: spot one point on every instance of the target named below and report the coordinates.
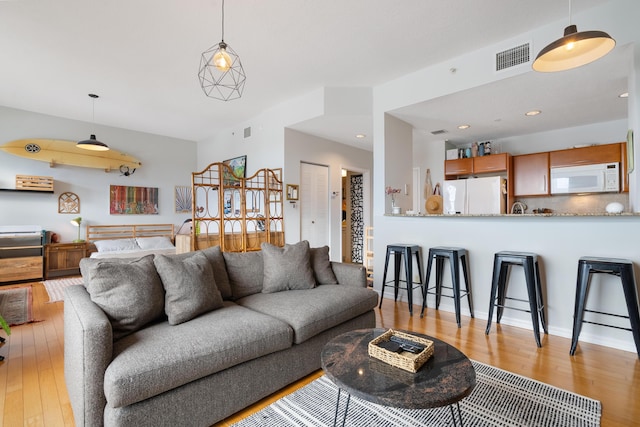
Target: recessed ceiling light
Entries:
(463, 127)
(624, 95)
(532, 113)
(361, 136)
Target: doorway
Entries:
(353, 216)
(314, 204)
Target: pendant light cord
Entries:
(222, 20)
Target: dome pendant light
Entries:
(573, 50)
(92, 143)
(221, 73)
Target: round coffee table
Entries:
(445, 379)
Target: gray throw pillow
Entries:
(287, 268)
(321, 265)
(128, 290)
(190, 289)
(245, 272)
(214, 255)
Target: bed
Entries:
(130, 240)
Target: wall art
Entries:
(69, 203)
(183, 199)
(125, 200)
(238, 166)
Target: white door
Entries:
(314, 204)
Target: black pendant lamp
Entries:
(221, 73)
(92, 143)
(573, 50)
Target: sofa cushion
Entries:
(128, 290)
(214, 255)
(321, 265)
(286, 268)
(161, 357)
(312, 311)
(190, 289)
(245, 272)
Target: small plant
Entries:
(5, 325)
(392, 192)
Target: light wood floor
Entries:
(32, 390)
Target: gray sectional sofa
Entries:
(193, 338)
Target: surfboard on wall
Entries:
(62, 152)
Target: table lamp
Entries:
(76, 223)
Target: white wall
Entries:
(301, 147)
(166, 162)
(560, 241)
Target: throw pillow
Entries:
(214, 254)
(128, 290)
(286, 268)
(190, 289)
(245, 272)
(321, 265)
(116, 245)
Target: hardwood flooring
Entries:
(33, 393)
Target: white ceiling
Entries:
(142, 58)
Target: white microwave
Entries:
(598, 178)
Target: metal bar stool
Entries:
(400, 250)
(455, 256)
(622, 268)
(502, 263)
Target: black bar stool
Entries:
(502, 263)
(400, 250)
(455, 256)
(622, 268)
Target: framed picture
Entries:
(238, 166)
(183, 199)
(292, 192)
(125, 200)
(69, 203)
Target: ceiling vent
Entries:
(511, 57)
(438, 132)
(247, 132)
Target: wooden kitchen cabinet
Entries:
(604, 153)
(457, 167)
(531, 174)
(63, 259)
(491, 164)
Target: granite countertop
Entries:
(553, 214)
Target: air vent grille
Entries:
(247, 132)
(512, 57)
(438, 132)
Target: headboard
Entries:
(125, 231)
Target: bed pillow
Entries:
(155, 242)
(287, 268)
(190, 288)
(245, 272)
(321, 265)
(116, 245)
(128, 290)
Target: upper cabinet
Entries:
(531, 174)
(494, 163)
(606, 153)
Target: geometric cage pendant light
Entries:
(221, 74)
(92, 143)
(573, 50)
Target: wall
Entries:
(166, 162)
(301, 147)
(560, 241)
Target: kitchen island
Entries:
(558, 239)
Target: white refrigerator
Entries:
(475, 196)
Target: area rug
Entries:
(500, 398)
(55, 288)
(16, 305)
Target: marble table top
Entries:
(446, 378)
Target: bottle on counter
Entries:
(487, 148)
(474, 149)
(481, 149)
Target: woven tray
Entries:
(404, 360)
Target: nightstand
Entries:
(63, 259)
